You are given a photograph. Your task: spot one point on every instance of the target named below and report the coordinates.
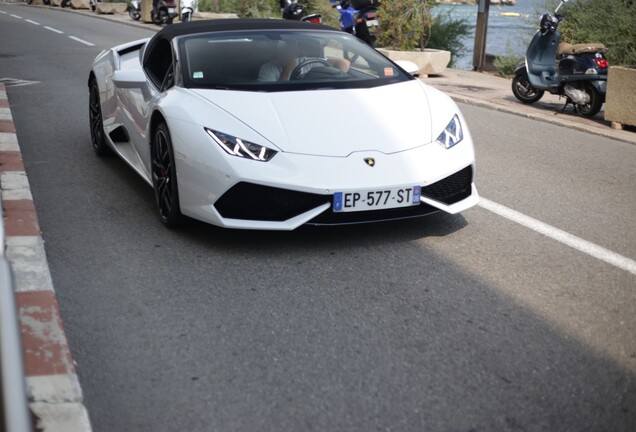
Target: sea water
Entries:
(510, 28)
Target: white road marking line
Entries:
(81, 41)
(32, 22)
(16, 16)
(54, 30)
(577, 243)
(3, 12)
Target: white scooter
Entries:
(188, 7)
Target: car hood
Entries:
(386, 119)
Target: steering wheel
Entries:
(296, 72)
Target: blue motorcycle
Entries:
(358, 17)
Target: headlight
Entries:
(241, 148)
(452, 134)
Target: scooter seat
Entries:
(569, 49)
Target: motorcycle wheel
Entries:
(134, 14)
(591, 108)
(160, 17)
(523, 90)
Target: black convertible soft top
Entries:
(221, 25)
(218, 25)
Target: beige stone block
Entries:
(620, 102)
(111, 8)
(80, 4)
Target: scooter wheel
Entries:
(595, 103)
(523, 90)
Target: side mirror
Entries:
(410, 67)
(129, 78)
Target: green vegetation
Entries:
(506, 65)
(405, 24)
(447, 33)
(410, 24)
(612, 22)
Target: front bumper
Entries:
(253, 202)
(292, 190)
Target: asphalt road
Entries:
(448, 323)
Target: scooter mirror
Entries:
(560, 4)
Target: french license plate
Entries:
(376, 200)
(170, 10)
(373, 23)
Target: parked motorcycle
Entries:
(576, 72)
(358, 17)
(292, 10)
(187, 9)
(164, 12)
(134, 10)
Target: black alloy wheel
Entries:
(595, 103)
(523, 90)
(164, 177)
(98, 137)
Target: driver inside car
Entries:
(289, 55)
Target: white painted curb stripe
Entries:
(28, 261)
(15, 186)
(568, 239)
(5, 114)
(61, 417)
(81, 41)
(8, 142)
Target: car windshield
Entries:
(283, 60)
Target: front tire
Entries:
(164, 177)
(134, 14)
(523, 90)
(595, 103)
(98, 136)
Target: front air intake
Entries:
(451, 189)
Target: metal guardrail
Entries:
(14, 409)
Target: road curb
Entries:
(53, 389)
